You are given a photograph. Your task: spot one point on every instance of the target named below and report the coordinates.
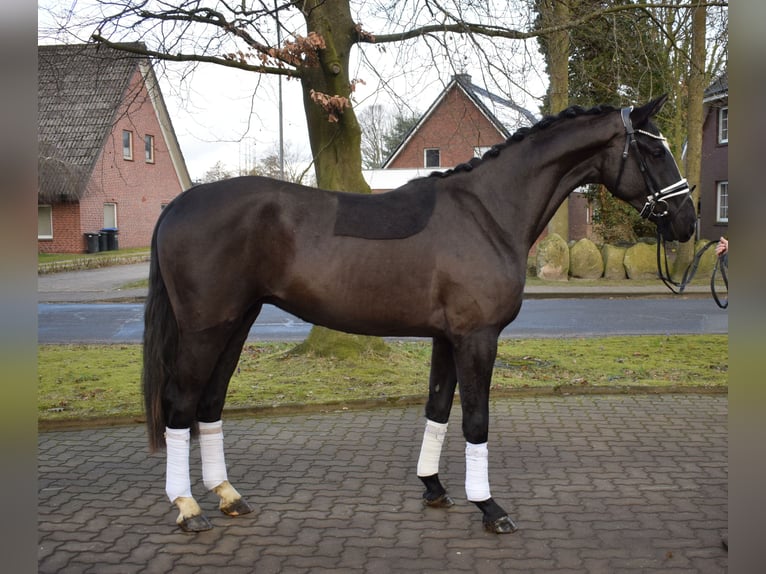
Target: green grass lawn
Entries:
(101, 383)
(60, 257)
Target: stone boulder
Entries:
(585, 260)
(613, 257)
(641, 261)
(552, 258)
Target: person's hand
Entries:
(723, 247)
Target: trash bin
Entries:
(91, 241)
(111, 238)
(102, 242)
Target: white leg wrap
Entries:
(477, 472)
(431, 449)
(211, 451)
(177, 481)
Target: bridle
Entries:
(656, 199)
(656, 205)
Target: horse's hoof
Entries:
(198, 523)
(236, 508)
(442, 501)
(503, 525)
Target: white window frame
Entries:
(425, 156)
(722, 189)
(149, 148)
(723, 125)
(127, 146)
(110, 212)
(40, 211)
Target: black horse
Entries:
(441, 257)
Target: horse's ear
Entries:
(640, 115)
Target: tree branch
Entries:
(500, 32)
(241, 65)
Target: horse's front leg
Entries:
(441, 394)
(475, 359)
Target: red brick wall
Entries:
(66, 235)
(138, 188)
(456, 126)
(580, 225)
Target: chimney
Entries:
(463, 78)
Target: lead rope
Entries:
(721, 264)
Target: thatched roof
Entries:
(80, 88)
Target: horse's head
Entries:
(648, 177)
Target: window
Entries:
(127, 144)
(44, 222)
(149, 149)
(723, 125)
(110, 215)
(432, 157)
(722, 202)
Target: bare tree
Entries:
(382, 131)
(216, 173)
(375, 122)
(293, 167)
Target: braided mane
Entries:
(523, 132)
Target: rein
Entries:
(677, 287)
(656, 205)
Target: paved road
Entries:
(114, 284)
(628, 484)
(123, 323)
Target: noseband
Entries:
(656, 202)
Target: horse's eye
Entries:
(659, 152)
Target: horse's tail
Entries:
(160, 349)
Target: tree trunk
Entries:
(557, 13)
(335, 145)
(697, 83)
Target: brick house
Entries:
(714, 176)
(464, 121)
(107, 153)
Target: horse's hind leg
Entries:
(205, 362)
(196, 359)
(441, 394)
(214, 474)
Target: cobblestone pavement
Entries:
(612, 484)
